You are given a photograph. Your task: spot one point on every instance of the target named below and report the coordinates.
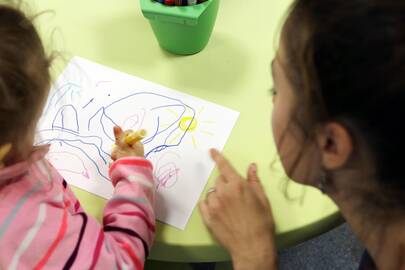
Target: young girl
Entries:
(42, 225)
(339, 99)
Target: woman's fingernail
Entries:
(253, 167)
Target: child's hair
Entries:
(24, 76)
(346, 60)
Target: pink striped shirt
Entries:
(42, 225)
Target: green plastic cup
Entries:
(181, 30)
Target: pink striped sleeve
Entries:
(129, 216)
(128, 222)
(128, 230)
(42, 225)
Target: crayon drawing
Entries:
(88, 100)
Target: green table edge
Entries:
(215, 253)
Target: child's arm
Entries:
(128, 229)
(129, 220)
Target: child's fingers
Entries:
(133, 137)
(122, 147)
(118, 134)
(117, 131)
(139, 149)
(114, 155)
(127, 134)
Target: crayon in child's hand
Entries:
(135, 136)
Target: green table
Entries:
(233, 70)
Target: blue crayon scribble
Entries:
(87, 104)
(61, 113)
(99, 120)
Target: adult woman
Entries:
(338, 101)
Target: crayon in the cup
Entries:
(181, 2)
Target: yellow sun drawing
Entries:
(192, 125)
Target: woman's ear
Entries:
(335, 145)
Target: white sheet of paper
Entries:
(88, 99)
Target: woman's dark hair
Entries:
(346, 60)
(24, 75)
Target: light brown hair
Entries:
(24, 78)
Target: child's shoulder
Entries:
(42, 168)
(33, 176)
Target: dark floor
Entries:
(337, 249)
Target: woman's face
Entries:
(299, 158)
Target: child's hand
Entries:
(123, 149)
(238, 214)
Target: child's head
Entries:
(24, 81)
(339, 79)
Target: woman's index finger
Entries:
(223, 165)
